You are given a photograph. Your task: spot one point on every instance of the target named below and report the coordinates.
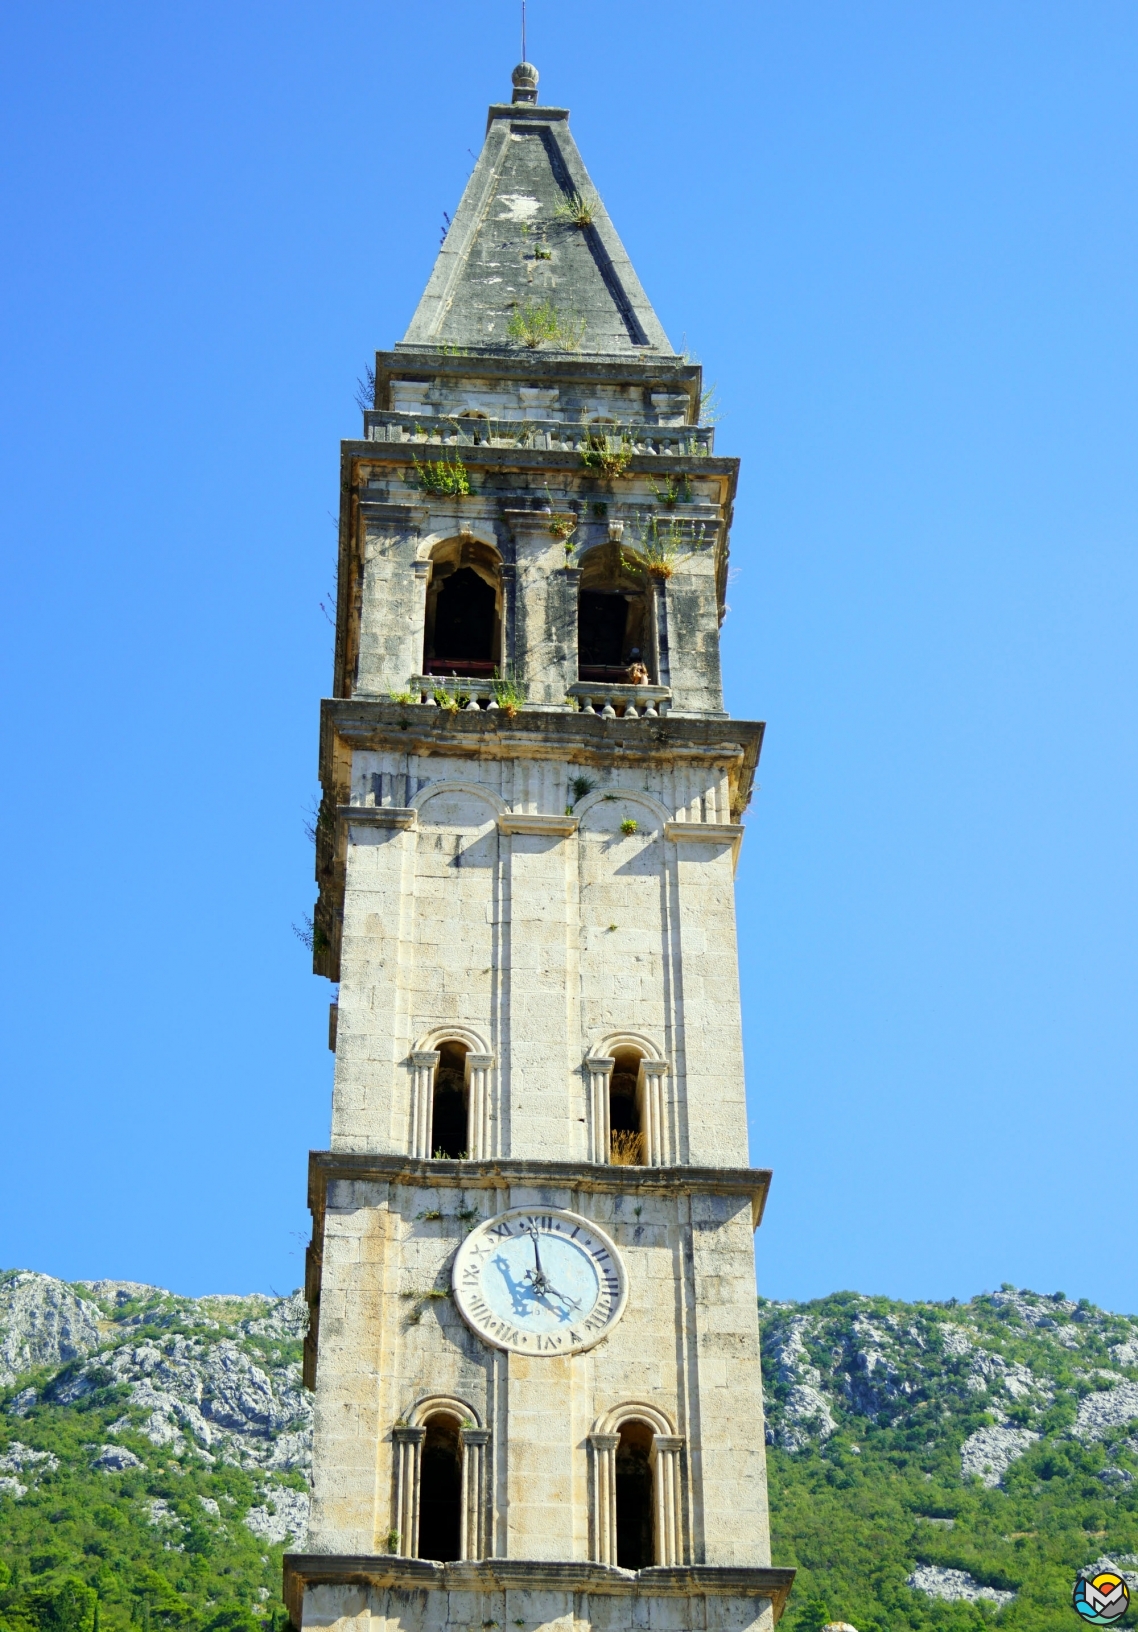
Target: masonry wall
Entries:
(687, 1345)
(541, 946)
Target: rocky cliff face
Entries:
(206, 1382)
(974, 1456)
(1032, 1364)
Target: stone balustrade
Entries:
(629, 702)
(679, 441)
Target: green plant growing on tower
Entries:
(662, 544)
(445, 476)
(537, 324)
(445, 700)
(508, 694)
(709, 409)
(677, 490)
(576, 210)
(611, 453)
(402, 697)
(629, 826)
(580, 786)
(392, 1541)
(561, 526)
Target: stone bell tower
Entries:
(534, 1337)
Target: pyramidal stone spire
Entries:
(531, 255)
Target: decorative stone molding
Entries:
(708, 1586)
(652, 1119)
(478, 1068)
(408, 1448)
(472, 1523)
(603, 1447)
(423, 1063)
(375, 815)
(666, 1452)
(527, 821)
(599, 1070)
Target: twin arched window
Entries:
(440, 1505)
(450, 1109)
(463, 627)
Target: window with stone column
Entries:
(627, 1109)
(450, 1111)
(636, 1492)
(439, 1476)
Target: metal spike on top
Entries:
(525, 82)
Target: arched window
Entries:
(637, 1488)
(634, 1498)
(613, 625)
(626, 1110)
(463, 627)
(450, 1105)
(440, 1491)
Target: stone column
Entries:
(408, 1447)
(478, 1110)
(604, 1496)
(545, 646)
(666, 1484)
(599, 1070)
(660, 650)
(423, 1063)
(472, 1527)
(418, 619)
(653, 1120)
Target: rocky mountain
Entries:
(932, 1466)
(937, 1464)
(153, 1455)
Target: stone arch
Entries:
(610, 1421)
(450, 1098)
(646, 1046)
(435, 1405)
(636, 796)
(477, 790)
(463, 616)
(472, 1040)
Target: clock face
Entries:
(539, 1281)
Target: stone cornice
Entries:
(431, 362)
(374, 722)
(382, 1570)
(480, 456)
(325, 1166)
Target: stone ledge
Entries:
(376, 815)
(324, 1166)
(303, 1570)
(520, 821)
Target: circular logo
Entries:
(1101, 1599)
(539, 1281)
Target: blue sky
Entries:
(901, 238)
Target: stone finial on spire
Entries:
(525, 82)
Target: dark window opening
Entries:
(464, 619)
(449, 1104)
(612, 619)
(600, 637)
(634, 1549)
(462, 634)
(440, 1491)
(626, 1137)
